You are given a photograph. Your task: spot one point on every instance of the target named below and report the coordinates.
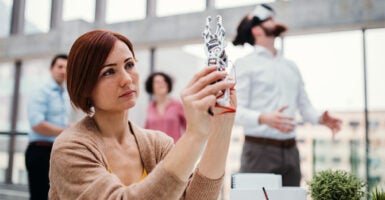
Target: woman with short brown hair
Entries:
(105, 156)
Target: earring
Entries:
(91, 107)
(92, 112)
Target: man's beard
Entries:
(276, 31)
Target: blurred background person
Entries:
(270, 92)
(48, 111)
(164, 113)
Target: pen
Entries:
(264, 192)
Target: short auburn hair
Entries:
(85, 60)
(150, 82)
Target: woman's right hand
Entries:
(199, 96)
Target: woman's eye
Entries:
(108, 72)
(130, 65)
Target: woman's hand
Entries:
(200, 95)
(224, 116)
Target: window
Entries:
(74, 9)
(6, 92)
(167, 7)
(37, 16)
(124, 10)
(231, 3)
(5, 17)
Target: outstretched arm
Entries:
(213, 161)
(331, 122)
(197, 98)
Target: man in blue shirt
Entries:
(48, 111)
(270, 91)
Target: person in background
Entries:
(48, 111)
(106, 156)
(164, 113)
(270, 92)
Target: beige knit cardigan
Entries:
(78, 169)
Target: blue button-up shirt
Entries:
(266, 82)
(49, 103)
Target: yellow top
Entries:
(144, 174)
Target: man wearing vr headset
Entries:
(270, 92)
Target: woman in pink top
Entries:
(164, 113)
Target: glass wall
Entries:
(375, 46)
(4, 140)
(37, 16)
(19, 172)
(331, 67)
(137, 113)
(5, 17)
(75, 10)
(34, 74)
(6, 92)
(231, 3)
(123, 10)
(181, 69)
(165, 7)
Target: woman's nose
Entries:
(125, 79)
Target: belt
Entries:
(273, 142)
(41, 143)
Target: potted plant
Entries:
(336, 185)
(377, 194)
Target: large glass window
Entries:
(6, 92)
(232, 3)
(37, 16)
(19, 172)
(375, 46)
(34, 73)
(123, 10)
(181, 69)
(138, 112)
(5, 17)
(4, 140)
(167, 7)
(331, 67)
(74, 9)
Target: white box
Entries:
(283, 193)
(255, 180)
(248, 186)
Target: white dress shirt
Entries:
(264, 84)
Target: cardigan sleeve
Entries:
(199, 186)
(202, 187)
(77, 171)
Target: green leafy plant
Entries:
(377, 194)
(336, 185)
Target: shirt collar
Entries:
(264, 51)
(54, 85)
